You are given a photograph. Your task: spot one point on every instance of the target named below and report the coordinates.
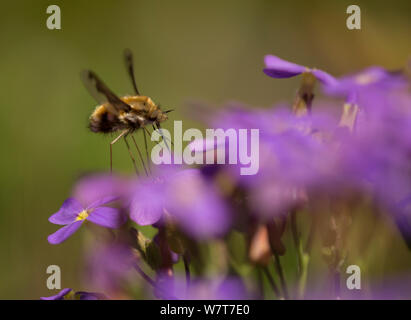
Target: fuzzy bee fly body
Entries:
(142, 111)
(114, 113)
(126, 114)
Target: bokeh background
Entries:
(210, 51)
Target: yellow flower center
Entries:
(82, 215)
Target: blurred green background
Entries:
(211, 51)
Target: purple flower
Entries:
(63, 294)
(370, 78)
(98, 186)
(68, 294)
(108, 266)
(82, 295)
(279, 68)
(292, 155)
(372, 89)
(203, 289)
(72, 215)
(185, 196)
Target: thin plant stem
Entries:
(187, 269)
(311, 235)
(336, 276)
(144, 275)
(279, 268)
(260, 281)
(296, 238)
(302, 255)
(271, 281)
(337, 284)
(152, 282)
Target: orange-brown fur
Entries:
(143, 111)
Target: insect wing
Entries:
(101, 92)
(128, 59)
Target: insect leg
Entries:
(131, 154)
(140, 155)
(163, 137)
(146, 147)
(111, 149)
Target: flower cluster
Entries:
(315, 164)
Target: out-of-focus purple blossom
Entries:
(372, 78)
(94, 187)
(312, 153)
(186, 196)
(203, 289)
(372, 89)
(59, 296)
(109, 266)
(396, 287)
(292, 154)
(82, 295)
(278, 68)
(72, 215)
(380, 150)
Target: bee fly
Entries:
(126, 114)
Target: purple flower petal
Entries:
(109, 266)
(64, 233)
(103, 201)
(94, 188)
(82, 295)
(324, 77)
(59, 296)
(203, 289)
(196, 206)
(279, 68)
(147, 204)
(201, 145)
(107, 217)
(373, 78)
(67, 213)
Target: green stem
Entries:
(272, 282)
(187, 269)
(302, 281)
(144, 275)
(281, 275)
(303, 256)
(297, 240)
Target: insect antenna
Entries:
(168, 111)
